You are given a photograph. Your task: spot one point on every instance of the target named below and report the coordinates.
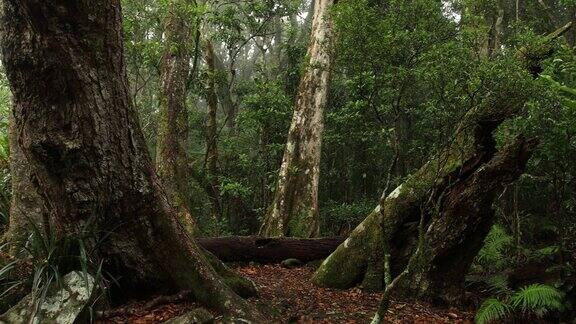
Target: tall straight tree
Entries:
(294, 210)
(173, 129)
(78, 131)
(211, 160)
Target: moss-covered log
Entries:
(269, 250)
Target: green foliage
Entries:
(233, 188)
(253, 155)
(47, 256)
(337, 218)
(535, 299)
(491, 310)
(498, 285)
(493, 255)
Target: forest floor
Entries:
(290, 296)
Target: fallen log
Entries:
(269, 250)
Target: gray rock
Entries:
(63, 304)
(291, 263)
(195, 316)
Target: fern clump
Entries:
(493, 256)
(535, 299)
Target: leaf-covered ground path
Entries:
(290, 295)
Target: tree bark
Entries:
(431, 227)
(269, 250)
(211, 162)
(294, 210)
(173, 128)
(79, 133)
(25, 206)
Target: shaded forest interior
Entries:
(324, 161)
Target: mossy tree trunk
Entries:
(172, 164)
(294, 209)
(211, 160)
(430, 228)
(79, 133)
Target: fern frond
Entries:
(492, 255)
(544, 253)
(498, 285)
(491, 310)
(537, 299)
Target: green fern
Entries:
(491, 256)
(491, 310)
(498, 285)
(537, 299)
(543, 253)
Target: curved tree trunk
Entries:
(79, 133)
(294, 210)
(440, 193)
(449, 201)
(173, 128)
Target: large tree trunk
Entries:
(269, 250)
(294, 210)
(79, 133)
(433, 225)
(173, 129)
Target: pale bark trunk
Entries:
(79, 133)
(173, 129)
(498, 29)
(294, 210)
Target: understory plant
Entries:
(45, 258)
(529, 301)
